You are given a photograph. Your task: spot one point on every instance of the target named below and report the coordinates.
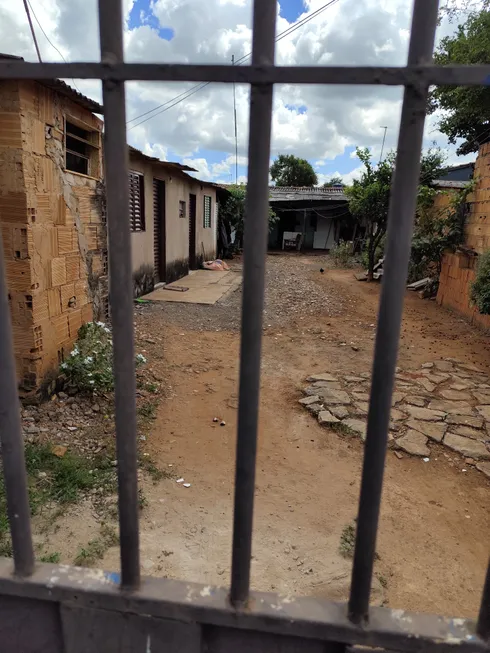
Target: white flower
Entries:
(74, 352)
(92, 382)
(101, 324)
(88, 360)
(89, 373)
(140, 358)
(63, 366)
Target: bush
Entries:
(480, 288)
(89, 366)
(341, 254)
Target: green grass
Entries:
(156, 474)
(347, 541)
(55, 482)
(96, 548)
(51, 557)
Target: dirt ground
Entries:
(435, 524)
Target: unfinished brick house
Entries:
(51, 220)
(459, 268)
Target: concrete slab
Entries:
(205, 287)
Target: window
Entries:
(81, 150)
(136, 201)
(207, 212)
(182, 211)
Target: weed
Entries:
(148, 410)
(142, 500)
(55, 482)
(382, 581)
(156, 474)
(347, 541)
(96, 548)
(151, 387)
(341, 254)
(343, 429)
(51, 557)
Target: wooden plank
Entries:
(29, 626)
(102, 631)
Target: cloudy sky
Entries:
(321, 124)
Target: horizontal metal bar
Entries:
(121, 292)
(254, 74)
(255, 250)
(12, 449)
(307, 617)
(400, 225)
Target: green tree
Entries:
(369, 196)
(334, 181)
(466, 109)
(233, 210)
(289, 170)
(455, 8)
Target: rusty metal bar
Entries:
(400, 227)
(483, 626)
(12, 453)
(470, 75)
(255, 250)
(121, 290)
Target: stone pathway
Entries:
(447, 402)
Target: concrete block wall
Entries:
(52, 223)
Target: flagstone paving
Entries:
(445, 402)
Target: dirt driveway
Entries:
(435, 525)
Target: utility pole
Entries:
(383, 144)
(236, 132)
(26, 7)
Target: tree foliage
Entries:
(453, 9)
(334, 181)
(436, 230)
(466, 109)
(289, 170)
(480, 288)
(369, 196)
(233, 210)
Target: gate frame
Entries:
(306, 620)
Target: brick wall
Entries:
(53, 229)
(458, 269)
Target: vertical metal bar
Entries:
(121, 291)
(14, 470)
(400, 226)
(255, 249)
(483, 625)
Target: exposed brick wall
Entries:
(458, 270)
(53, 229)
(457, 274)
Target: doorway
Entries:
(159, 230)
(192, 232)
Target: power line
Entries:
(194, 89)
(27, 2)
(26, 7)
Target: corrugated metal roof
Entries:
(301, 193)
(442, 183)
(166, 164)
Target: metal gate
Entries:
(53, 608)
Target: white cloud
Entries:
(368, 32)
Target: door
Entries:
(192, 231)
(159, 229)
